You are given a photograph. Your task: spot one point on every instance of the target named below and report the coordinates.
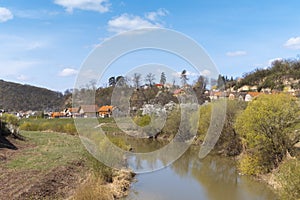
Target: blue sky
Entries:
(44, 43)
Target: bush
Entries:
(265, 128)
(70, 128)
(250, 165)
(142, 120)
(172, 123)
(229, 142)
(289, 178)
(28, 126)
(10, 119)
(55, 125)
(204, 120)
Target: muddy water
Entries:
(189, 178)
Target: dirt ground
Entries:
(57, 183)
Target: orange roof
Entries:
(105, 109)
(254, 94)
(73, 110)
(57, 114)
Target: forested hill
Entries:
(18, 97)
(282, 73)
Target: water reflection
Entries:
(190, 178)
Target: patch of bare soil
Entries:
(59, 183)
(11, 146)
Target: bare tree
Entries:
(150, 78)
(137, 80)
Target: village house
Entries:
(105, 111)
(73, 112)
(57, 114)
(88, 111)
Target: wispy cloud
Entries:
(13, 67)
(11, 44)
(236, 53)
(101, 6)
(154, 16)
(126, 22)
(5, 14)
(34, 14)
(293, 43)
(68, 72)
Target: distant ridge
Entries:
(19, 97)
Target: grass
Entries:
(50, 150)
(62, 125)
(46, 151)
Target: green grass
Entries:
(49, 150)
(62, 125)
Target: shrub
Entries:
(28, 126)
(289, 178)
(172, 123)
(265, 128)
(142, 120)
(250, 165)
(10, 119)
(70, 128)
(229, 142)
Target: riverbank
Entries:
(56, 166)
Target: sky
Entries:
(44, 43)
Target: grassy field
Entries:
(49, 165)
(49, 150)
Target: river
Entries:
(212, 178)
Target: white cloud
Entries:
(188, 73)
(206, 72)
(293, 43)
(154, 16)
(273, 60)
(68, 72)
(236, 53)
(5, 14)
(127, 22)
(93, 5)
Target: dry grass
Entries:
(94, 188)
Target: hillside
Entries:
(282, 73)
(17, 97)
